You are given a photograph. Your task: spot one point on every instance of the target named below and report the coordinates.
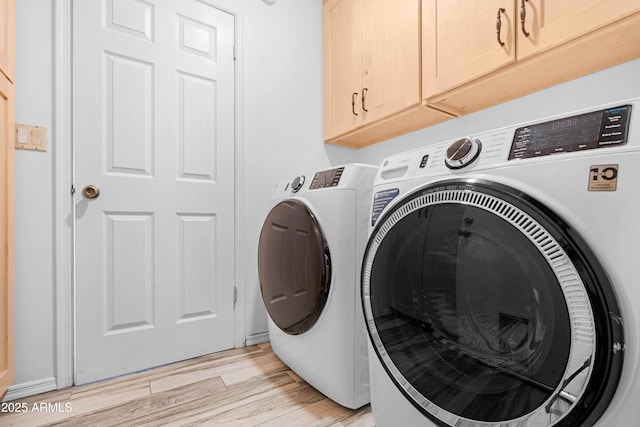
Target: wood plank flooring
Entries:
(246, 386)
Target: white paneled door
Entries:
(153, 85)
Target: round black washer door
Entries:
(486, 309)
(294, 266)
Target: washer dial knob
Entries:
(462, 152)
(297, 183)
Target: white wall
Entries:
(34, 203)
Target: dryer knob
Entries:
(462, 152)
(297, 183)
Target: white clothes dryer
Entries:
(501, 278)
(309, 258)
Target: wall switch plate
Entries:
(30, 137)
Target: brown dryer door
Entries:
(294, 267)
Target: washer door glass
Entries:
(476, 310)
(294, 267)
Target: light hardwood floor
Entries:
(246, 386)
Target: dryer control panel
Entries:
(324, 179)
(587, 131)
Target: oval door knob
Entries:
(90, 191)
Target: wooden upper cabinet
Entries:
(551, 23)
(371, 61)
(381, 82)
(7, 39)
(468, 65)
(461, 43)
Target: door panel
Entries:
(197, 266)
(154, 118)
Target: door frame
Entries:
(64, 178)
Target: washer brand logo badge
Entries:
(603, 178)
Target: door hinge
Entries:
(234, 52)
(73, 190)
(235, 297)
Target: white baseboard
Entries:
(18, 391)
(257, 338)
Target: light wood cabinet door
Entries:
(372, 65)
(460, 41)
(391, 57)
(550, 23)
(7, 236)
(7, 38)
(342, 21)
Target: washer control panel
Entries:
(605, 126)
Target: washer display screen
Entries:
(588, 131)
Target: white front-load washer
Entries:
(309, 259)
(501, 280)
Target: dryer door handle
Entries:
(327, 269)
